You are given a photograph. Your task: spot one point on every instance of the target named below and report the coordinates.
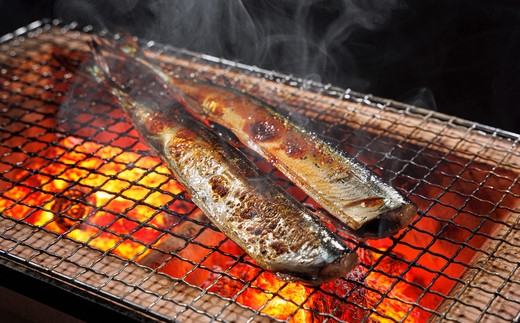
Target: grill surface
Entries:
(60, 133)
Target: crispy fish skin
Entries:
(354, 195)
(273, 228)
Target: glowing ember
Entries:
(109, 199)
(275, 298)
(104, 192)
(88, 206)
(264, 293)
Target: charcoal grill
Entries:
(86, 209)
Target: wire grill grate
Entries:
(67, 149)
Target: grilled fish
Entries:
(358, 198)
(279, 233)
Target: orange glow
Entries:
(282, 306)
(382, 281)
(101, 195)
(68, 184)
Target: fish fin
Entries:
(97, 55)
(129, 48)
(99, 68)
(132, 49)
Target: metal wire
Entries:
(464, 177)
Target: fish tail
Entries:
(99, 59)
(101, 72)
(132, 49)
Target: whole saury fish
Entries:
(279, 233)
(358, 198)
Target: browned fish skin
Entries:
(268, 224)
(358, 199)
(360, 202)
(355, 196)
(274, 229)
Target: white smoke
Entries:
(420, 97)
(309, 39)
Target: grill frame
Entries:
(64, 296)
(472, 134)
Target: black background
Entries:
(461, 58)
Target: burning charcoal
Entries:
(69, 208)
(352, 302)
(160, 253)
(272, 227)
(82, 198)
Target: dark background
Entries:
(461, 58)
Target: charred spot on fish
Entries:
(255, 230)
(295, 148)
(321, 154)
(279, 247)
(219, 186)
(328, 160)
(185, 134)
(248, 214)
(180, 145)
(177, 151)
(262, 130)
(229, 203)
(152, 123)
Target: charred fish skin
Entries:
(270, 227)
(360, 201)
(273, 228)
(344, 187)
(347, 189)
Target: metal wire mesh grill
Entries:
(82, 200)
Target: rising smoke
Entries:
(309, 39)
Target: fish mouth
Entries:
(386, 224)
